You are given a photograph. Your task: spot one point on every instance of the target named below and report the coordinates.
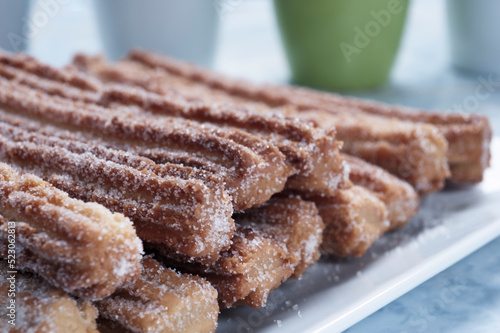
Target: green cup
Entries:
(341, 44)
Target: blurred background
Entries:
(246, 43)
(434, 59)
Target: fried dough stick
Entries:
(414, 152)
(161, 300)
(272, 243)
(190, 215)
(79, 247)
(41, 307)
(311, 151)
(246, 161)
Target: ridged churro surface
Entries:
(271, 244)
(41, 307)
(161, 300)
(79, 247)
(468, 136)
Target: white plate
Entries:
(336, 293)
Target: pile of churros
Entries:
(144, 195)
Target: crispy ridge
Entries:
(41, 307)
(399, 197)
(313, 152)
(247, 160)
(193, 218)
(161, 300)
(272, 243)
(468, 136)
(80, 247)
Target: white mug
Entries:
(474, 29)
(185, 29)
(15, 26)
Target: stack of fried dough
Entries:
(148, 193)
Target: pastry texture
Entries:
(161, 300)
(188, 211)
(41, 307)
(310, 151)
(468, 136)
(79, 247)
(271, 244)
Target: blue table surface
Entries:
(464, 297)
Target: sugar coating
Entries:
(464, 133)
(162, 300)
(312, 151)
(80, 247)
(44, 308)
(272, 243)
(124, 182)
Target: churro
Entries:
(311, 151)
(193, 216)
(468, 136)
(271, 244)
(79, 247)
(246, 160)
(40, 307)
(161, 300)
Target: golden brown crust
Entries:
(161, 300)
(80, 247)
(42, 307)
(193, 216)
(468, 136)
(413, 152)
(313, 152)
(354, 218)
(271, 243)
(399, 197)
(246, 159)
